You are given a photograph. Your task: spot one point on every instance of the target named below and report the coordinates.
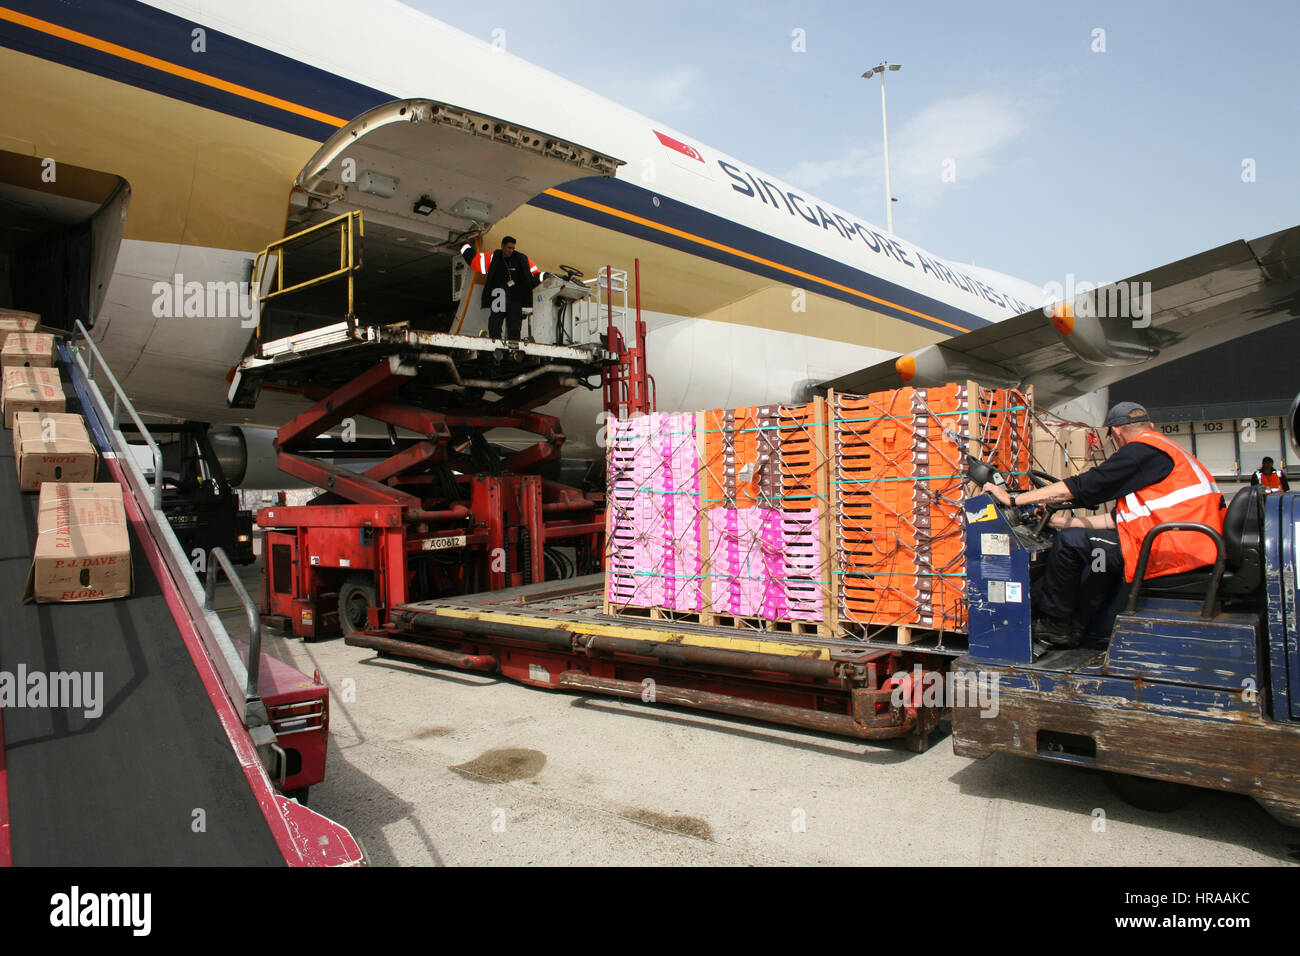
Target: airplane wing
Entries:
(1110, 333)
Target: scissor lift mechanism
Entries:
(374, 560)
(385, 534)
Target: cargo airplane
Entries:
(152, 148)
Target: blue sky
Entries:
(1066, 160)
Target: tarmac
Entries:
(430, 766)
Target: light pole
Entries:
(889, 193)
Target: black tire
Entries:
(355, 596)
(1287, 814)
(917, 743)
(1160, 796)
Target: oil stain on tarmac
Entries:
(432, 732)
(503, 765)
(673, 823)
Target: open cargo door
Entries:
(476, 169)
(60, 229)
(427, 177)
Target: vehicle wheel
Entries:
(1287, 814)
(921, 737)
(918, 743)
(356, 596)
(1162, 796)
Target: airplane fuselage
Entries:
(750, 286)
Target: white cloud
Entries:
(964, 135)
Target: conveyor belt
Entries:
(126, 788)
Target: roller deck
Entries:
(555, 635)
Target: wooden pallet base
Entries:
(902, 634)
(710, 619)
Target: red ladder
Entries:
(628, 387)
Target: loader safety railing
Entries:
(87, 365)
(217, 559)
(350, 227)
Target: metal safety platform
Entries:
(442, 368)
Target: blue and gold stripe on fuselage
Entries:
(263, 114)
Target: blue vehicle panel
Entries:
(1110, 691)
(1174, 644)
(1288, 532)
(997, 586)
(1279, 648)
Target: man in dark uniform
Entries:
(1152, 480)
(509, 281)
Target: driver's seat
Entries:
(1243, 571)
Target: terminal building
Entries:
(1227, 406)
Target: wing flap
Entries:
(1192, 304)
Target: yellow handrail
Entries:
(351, 228)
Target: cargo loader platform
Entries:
(441, 367)
(556, 636)
(465, 490)
(165, 768)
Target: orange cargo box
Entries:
(52, 447)
(83, 550)
(30, 349)
(31, 390)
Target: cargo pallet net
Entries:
(843, 517)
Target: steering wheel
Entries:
(982, 473)
(1042, 479)
(570, 273)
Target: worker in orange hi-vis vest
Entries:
(509, 278)
(1273, 481)
(1152, 480)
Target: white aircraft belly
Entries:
(702, 364)
(171, 366)
(176, 367)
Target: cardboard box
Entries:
(30, 390)
(1065, 450)
(12, 320)
(52, 447)
(83, 550)
(30, 349)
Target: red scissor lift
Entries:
(437, 551)
(443, 512)
(437, 516)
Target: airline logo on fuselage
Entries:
(768, 193)
(678, 145)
